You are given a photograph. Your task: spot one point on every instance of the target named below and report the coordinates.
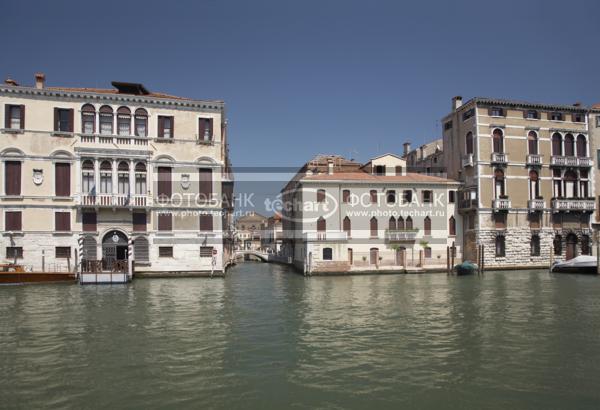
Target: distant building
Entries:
(273, 234)
(249, 231)
(427, 159)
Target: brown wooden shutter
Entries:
(62, 221)
(346, 196)
(427, 225)
(62, 179)
(321, 225)
(89, 221)
(22, 117)
(71, 120)
(12, 221)
(398, 169)
(210, 129)
(139, 221)
(6, 116)
(172, 127)
(320, 195)
(12, 178)
(205, 184)
(201, 128)
(161, 127)
(165, 222)
(164, 182)
(206, 223)
(56, 119)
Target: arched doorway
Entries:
(114, 247)
(571, 246)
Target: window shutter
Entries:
(62, 221)
(490, 111)
(205, 188)
(62, 179)
(201, 128)
(139, 221)
(164, 182)
(210, 129)
(12, 221)
(56, 117)
(88, 220)
(206, 223)
(12, 178)
(161, 127)
(71, 120)
(6, 116)
(172, 127)
(22, 117)
(165, 222)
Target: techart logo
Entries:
(316, 204)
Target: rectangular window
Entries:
(531, 114)
(556, 116)
(141, 129)
(63, 119)
(500, 220)
(578, 117)
(205, 185)
(14, 117)
(320, 195)
(468, 114)
(62, 221)
(205, 129)
(88, 221)
(206, 223)
(166, 127)
(496, 112)
(165, 251)
(535, 220)
(165, 222)
(407, 196)
(391, 197)
(124, 124)
(451, 197)
(373, 194)
(139, 221)
(14, 252)
(598, 121)
(62, 252)
(88, 122)
(12, 221)
(448, 125)
(500, 247)
(206, 251)
(427, 196)
(62, 181)
(106, 124)
(164, 183)
(12, 178)
(346, 196)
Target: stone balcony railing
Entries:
(114, 200)
(325, 236)
(573, 204)
(534, 159)
(561, 160)
(499, 158)
(501, 204)
(467, 160)
(113, 139)
(536, 204)
(400, 235)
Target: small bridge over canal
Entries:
(262, 256)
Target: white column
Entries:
(97, 175)
(131, 177)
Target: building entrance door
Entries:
(114, 248)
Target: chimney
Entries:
(40, 79)
(406, 146)
(330, 167)
(456, 102)
(10, 81)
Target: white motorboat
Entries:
(580, 264)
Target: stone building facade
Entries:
(86, 171)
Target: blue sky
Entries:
(305, 77)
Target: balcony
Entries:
(499, 158)
(573, 204)
(400, 235)
(114, 200)
(467, 160)
(467, 204)
(536, 204)
(98, 139)
(534, 159)
(325, 236)
(501, 204)
(562, 161)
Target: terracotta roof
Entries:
(112, 91)
(596, 105)
(363, 176)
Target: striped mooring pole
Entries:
(130, 257)
(80, 249)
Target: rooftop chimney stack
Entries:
(10, 81)
(456, 102)
(40, 80)
(406, 146)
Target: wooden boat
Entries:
(581, 264)
(465, 268)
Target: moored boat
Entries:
(581, 264)
(465, 268)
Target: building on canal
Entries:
(273, 234)
(527, 171)
(342, 216)
(426, 159)
(86, 171)
(249, 231)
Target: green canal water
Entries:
(267, 338)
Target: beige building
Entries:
(249, 231)
(86, 171)
(426, 159)
(528, 179)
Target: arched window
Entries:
(499, 183)
(106, 120)
(392, 224)
(556, 144)
(141, 122)
(498, 141)
(535, 245)
(570, 180)
(585, 245)
(123, 177)
(141, 249)
(534, 185)
(140, 179)
(569, 145)
(500, 246)
(327, 254)
(321, 224)
(346, 196)
(469, 143)
(391, 197)
(532, 142)
(106, 177)
(347, 225)
(88, 119)
(124, 121)
(427, 225)
(400, 223)
(409, 223)
(373, 226)
(320, 195)
(88, 182)
(581, 146)
(557, 245)
(452, 226)
(374, 256)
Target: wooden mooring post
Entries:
(447, 260)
